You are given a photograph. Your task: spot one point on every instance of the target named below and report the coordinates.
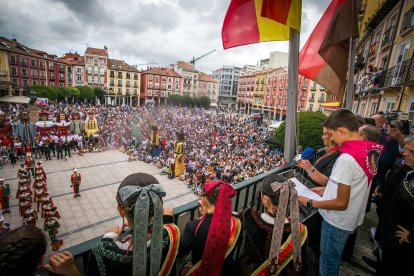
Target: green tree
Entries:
(63, 93)
(86, 93)
(187, 101)
(175, 100)
(99, 94)
(74, 93)
(204, 102)
(309, 128)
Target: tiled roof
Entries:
(115, 64)
(162, 72)
(18, 48)
(96, 52)
(186, 66)
(73, 59)
(206, 77)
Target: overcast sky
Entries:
(139, 31)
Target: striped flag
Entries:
(253, 21)
(324, 58)
(332, 104)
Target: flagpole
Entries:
(351, 66)
(292, 96)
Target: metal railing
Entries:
(247, 196)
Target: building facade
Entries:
(375, 53)
(158, 83)
(96, 64)
(190, 78)
(228, 78)
(123, 83)
(76, 69)
(26, 67)
(265, 92)
(208, 86)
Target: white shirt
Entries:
(348, 172)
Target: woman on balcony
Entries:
(319, 174)
(126, 250)
(269, 234)
(211, 239)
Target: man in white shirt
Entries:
(345, 197)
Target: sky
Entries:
(139, 31)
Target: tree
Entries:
(188, 101)
(204, 102)
(63, 93)
(74, 93)
(174, 100)
(309, 129)
(99, 94)
(86, 93)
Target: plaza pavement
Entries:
(88, 216)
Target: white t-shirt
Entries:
(348, 172)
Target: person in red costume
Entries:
(5, 130)
(62, 125)
(44, 126)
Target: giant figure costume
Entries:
(25, 129)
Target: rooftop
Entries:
(97, 51)
(116, 64)
(162, 71)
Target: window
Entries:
(78, 78)
(384, 61)
(128, 83)
(14, 71)
(95, 70)
(119, 83)
(373, 108)
(389, 104)
(42, 64)
(33, 63)
(150, 77)
(90, 69)
(42, 82)
(410, 108)
(34, 73)
(13, 60)
(102, 71)
(23, 61)
(402, 56)
(34, 82)
(89, 79)
(157, 78)
(78, 70)
(24, 72)
(15, 83)
(51, 66)
(25, 83)
(149, 93)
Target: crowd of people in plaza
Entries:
(212, 150)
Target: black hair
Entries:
(22, 250)
(136, 179)
(266, 187)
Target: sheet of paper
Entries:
(304, 191)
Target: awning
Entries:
(15, 99)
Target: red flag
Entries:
(253, 21)
(324, 58)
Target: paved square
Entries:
(88, 216)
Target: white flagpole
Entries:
(351, 66)
(292, 96)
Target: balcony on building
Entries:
(61, 69)
(61, 78)
(13, 60)
(312, 99)
(135, 77)
(42, 65)
(23, 62)
(386, 37)
(34, 75)
(128, 75)
(42, 77)
(33, 63)
(303, 88)
(120, 75)
(52, 76)
(128, 85)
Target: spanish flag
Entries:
(253, 21)
(324, 58)
(332, 104)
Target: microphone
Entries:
(308, 153)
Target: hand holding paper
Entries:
(304, 191)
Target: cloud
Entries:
(139, 31)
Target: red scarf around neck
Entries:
(366, 153)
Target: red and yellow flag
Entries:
(324, 58)
(253, 21)
(332, 104)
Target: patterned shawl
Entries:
(288, 195)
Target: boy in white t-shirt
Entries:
(346, 193)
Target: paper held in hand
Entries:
(303, 190)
